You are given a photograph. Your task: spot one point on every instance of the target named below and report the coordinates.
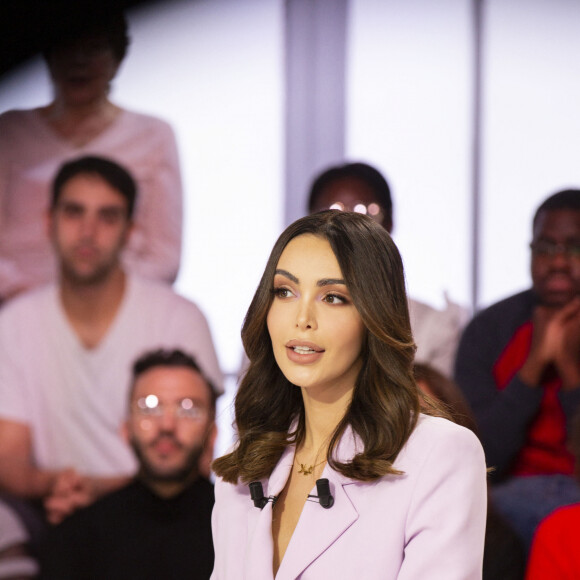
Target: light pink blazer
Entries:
(427, 524)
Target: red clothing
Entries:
(523, 429)
(555, 554)
(545, 448)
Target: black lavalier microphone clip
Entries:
(324, 496)
(257, 494)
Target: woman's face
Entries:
(83, 69)
(316, 331)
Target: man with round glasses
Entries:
(158, 526)
(518, 364)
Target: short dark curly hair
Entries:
(174, 358)
(114, 174)
(361, 171)
(565, 199)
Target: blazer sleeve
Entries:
(445, 529)
(229, 522)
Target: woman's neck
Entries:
(322, 416)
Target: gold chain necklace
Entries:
(307, 469)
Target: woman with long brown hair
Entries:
(337, 472)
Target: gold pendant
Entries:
(305, 470)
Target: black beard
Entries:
(187, 471)
(95, 278)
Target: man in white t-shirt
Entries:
(66, 349)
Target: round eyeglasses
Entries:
(151, 406)
(373, 210)
(547, 249)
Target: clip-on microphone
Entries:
(257, 494)
(324, 497)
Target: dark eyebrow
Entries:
(330, 281)
(323, 282)
(69, 203)
(572, 238)
(288, 275)
(112, 210)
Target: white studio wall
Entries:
(408, 114)
(531, 136)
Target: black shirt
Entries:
(134, 534)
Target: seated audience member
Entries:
(15, 560)
(504, 557)
(554, 553)
(66, 349)
(360, 187)
(159, 525)
(82, 120)
(518, 366)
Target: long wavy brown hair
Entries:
(269, 412)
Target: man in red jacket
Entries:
(518, 366)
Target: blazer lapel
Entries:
(318, 528)
(260, 552)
